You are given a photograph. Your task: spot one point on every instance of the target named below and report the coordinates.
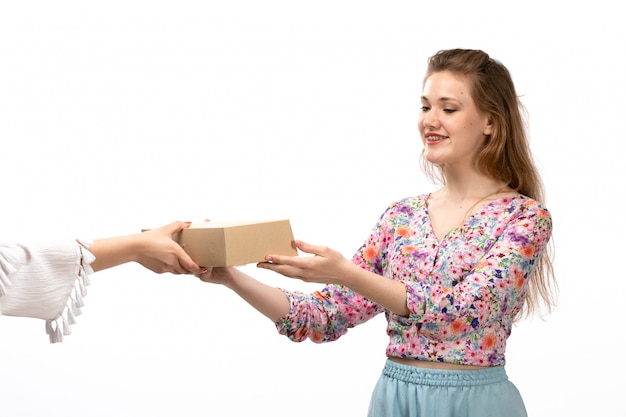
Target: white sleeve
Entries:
(46, 281)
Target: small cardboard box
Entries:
(236, 242)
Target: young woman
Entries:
(48, 280)
(451, 270)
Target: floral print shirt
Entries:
(463, 292)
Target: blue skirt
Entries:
(409, 391)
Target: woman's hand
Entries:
(154, 249)
(217, 275)
(158, 252)
(327, 266)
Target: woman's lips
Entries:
(435, 138)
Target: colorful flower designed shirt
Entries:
(463, 292)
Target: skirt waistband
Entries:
(444, 377)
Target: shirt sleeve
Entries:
(328, 314)
(46, 281)
(325, 315)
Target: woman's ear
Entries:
(488, 129)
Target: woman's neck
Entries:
(470, 186)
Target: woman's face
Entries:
(453, 130)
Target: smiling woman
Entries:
(451, 270)
(453, 128)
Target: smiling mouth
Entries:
(435, 138)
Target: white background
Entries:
(121, 115)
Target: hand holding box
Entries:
(215, 244)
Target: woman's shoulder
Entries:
(414, 200)
(520, 202)
(409, 203)
(406, 208)
(519, 207)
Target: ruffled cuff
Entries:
(7, 259)
(61, 326)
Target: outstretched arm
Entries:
(49, 280)
(328, 266)
(154, 249)
(269, 301)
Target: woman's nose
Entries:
(429, 121)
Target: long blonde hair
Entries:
(506, 155)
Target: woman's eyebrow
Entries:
(441, 99)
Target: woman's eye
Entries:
(449, 110)
(425, 108)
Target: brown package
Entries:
(236, 242)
